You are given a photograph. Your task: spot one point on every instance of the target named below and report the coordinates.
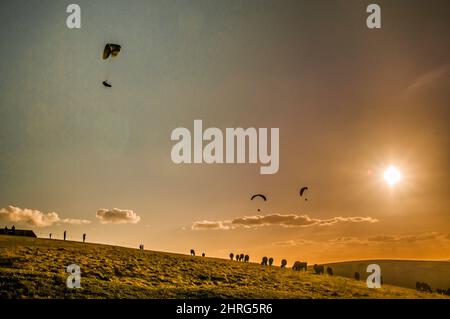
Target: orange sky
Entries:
(348, 101)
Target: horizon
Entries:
(252, 260)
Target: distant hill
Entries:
(36, 268)
(403, 273)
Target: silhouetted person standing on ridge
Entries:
(84, 238)
(64, 235)
(50, 235)
(13, 230)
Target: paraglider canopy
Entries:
(302, 190)
(259, 195)
(111, 50)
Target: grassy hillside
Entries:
(35, 268)
(403, 273)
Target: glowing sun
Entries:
(392, 175)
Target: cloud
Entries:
(405, 238)
(209, 225)
(440, 73)
(372, 241)
(35, 218)
(29, 217)
(344, 240)
(292, 242)
(290, 220)
(75, 221)
(117, 216)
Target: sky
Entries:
(348, 101)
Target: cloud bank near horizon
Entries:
(35, 218)
(290, 220)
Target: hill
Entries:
(403, 273)
(36, 268)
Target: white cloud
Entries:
(35, 218)
(291, 220)
(75, 221)
(204, 224)
(28, 217)
(117, 216)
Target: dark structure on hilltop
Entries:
(17, 232)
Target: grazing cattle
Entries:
(241, 257)
(319, 269)
(264, 261)
(231, 256)
(445, 292)
(203, 255)
(426, 287)
(270, 261)
(237, 257)
(283, 263)
(246, 258)
(192, 252)
(298, 265)
(357, 276)
(422, 286)
(330, 271)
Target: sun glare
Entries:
(392, 175)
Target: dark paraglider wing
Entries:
(106, 52)
(111, 50)
(115, 49)
(302, 190)
(259, 195)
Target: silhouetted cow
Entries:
(264, 261)
(237, 257)
(270, 261)
(319, 269)
(203, 255)
(283, 263)
(241, 257)
(192, 252)
(422, 286)
(426, 287)
(330, 271)
(298, 265)
(246, 258)
(231, 256)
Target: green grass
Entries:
(36, 268)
